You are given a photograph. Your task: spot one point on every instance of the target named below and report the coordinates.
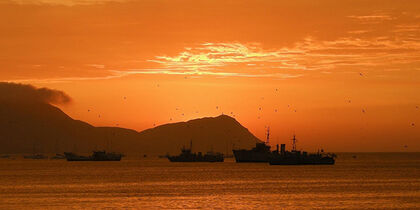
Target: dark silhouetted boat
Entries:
(187, 156)
(58, 157)
(297, 157)
(261, 153)
(96, 156)
(5, 156)
(35, 156)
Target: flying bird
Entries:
(361, 74)
(363, 111)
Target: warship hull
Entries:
(295, 161)
(250, 156)
(196, 159)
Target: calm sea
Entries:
(372, 180)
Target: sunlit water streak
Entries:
(372, 180)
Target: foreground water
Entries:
(372, 180)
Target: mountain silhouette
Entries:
(220, 134)
(28, 126)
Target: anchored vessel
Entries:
(297, 157)
(260, 153)
(58, 156)
(35, 156)
(187, 156)
(96, 156)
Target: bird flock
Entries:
(259, 110)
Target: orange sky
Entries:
(140, 63)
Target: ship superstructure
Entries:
(297, 157)
(259, 154)
(188, 156)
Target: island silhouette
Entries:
(29, 123)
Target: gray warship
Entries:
(259, 154)
(187, 156)
(96, 156)
(297, 157)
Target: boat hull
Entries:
(96, 157)
(294, 161)
(249, 156)
(195, 159)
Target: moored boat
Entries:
(96, 156)
(187, 156)
(297, 157)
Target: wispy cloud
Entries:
(244, 60)
(309, 54)
(371, 19)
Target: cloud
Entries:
(29, 93)
(251, 60)
(371, 19)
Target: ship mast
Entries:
(191, 144)
(268, 135)
(294, 143)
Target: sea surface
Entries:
(371, 180)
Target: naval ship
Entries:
(297, 157)
(259, 154)
(187, 156)
(96, 156)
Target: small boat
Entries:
(5, 156)
(58, 157)
(96, 156)
(187, 156)
(35, 156)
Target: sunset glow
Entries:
(341, 75)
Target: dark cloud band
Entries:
(23, 92)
